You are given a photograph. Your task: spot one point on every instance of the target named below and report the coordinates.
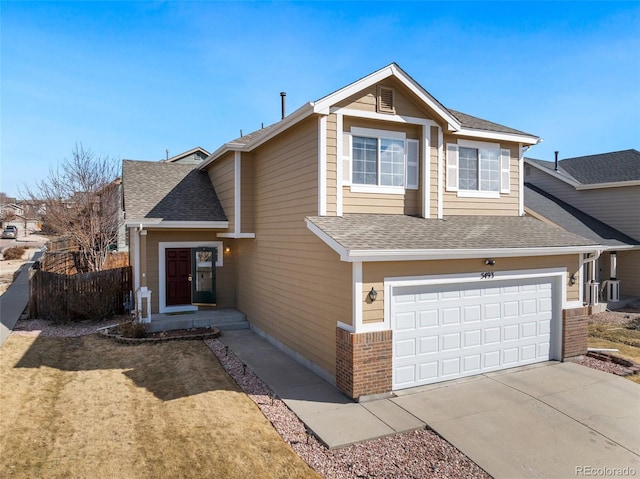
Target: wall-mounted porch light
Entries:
(227, 249)
(573, 279)
(373, 294)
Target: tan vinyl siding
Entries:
(222, 175)
(373, 274)
(506, 205)
(225, 275)
(293, 286)
(617, 207)
(378, 203)
(247, 217)
(629, 273)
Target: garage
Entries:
(458, 329)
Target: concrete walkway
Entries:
(14, 300)
(547, 420)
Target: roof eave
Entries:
(612, 184)
(555, 174)
(447, 254)
(500, 136)
(153, 223)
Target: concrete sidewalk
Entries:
(15, 299)
(544, 420)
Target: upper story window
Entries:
(380, 161)
(478, 169)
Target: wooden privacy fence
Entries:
(77, 297)
(72, 262)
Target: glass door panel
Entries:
(204, 275)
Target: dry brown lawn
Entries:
(90, 408)
(618, 330)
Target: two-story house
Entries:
(597, 197)
(373, 234)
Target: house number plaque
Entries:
(486, 275)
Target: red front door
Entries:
(178, 268)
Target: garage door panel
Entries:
(471, 328)
(428, 344)
(492, 335)
(510, 356)
(453, 294)
(450, 341)
(429, 319)
(529, 330)
(405, 348)
(406, 321)
(472, 338)
(492, 311)
(510, 309)
(450, 367)
(472, 313)
(450, 316)
(510, 332)
(428, 371)
(528, 352)
(528, 306)
(472, 363)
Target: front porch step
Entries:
(223, 319)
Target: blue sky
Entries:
(132, 79)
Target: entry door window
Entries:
(204, 275)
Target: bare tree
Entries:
(81, 200)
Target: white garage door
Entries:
(450, 331)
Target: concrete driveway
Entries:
(550, 420)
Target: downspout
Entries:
(592, 284)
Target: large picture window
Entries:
(382, 159)
(478, 169)
(378, 161)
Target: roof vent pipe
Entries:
(283, 102)
(556, 160)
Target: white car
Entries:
(10, 232)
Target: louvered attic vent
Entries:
(385, 100)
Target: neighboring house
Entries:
(20, 216)
(192, 157)
(374, 234)
(598, 197)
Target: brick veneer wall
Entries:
(363, 362)
(574, 332)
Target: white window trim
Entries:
(322, 166)
(162, 275)
(339, 164)
(378, 134)
(478, 145)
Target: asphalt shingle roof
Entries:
(476, 123)
(573, 219)
(602, 168)
(169, 191)
(399, 232)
